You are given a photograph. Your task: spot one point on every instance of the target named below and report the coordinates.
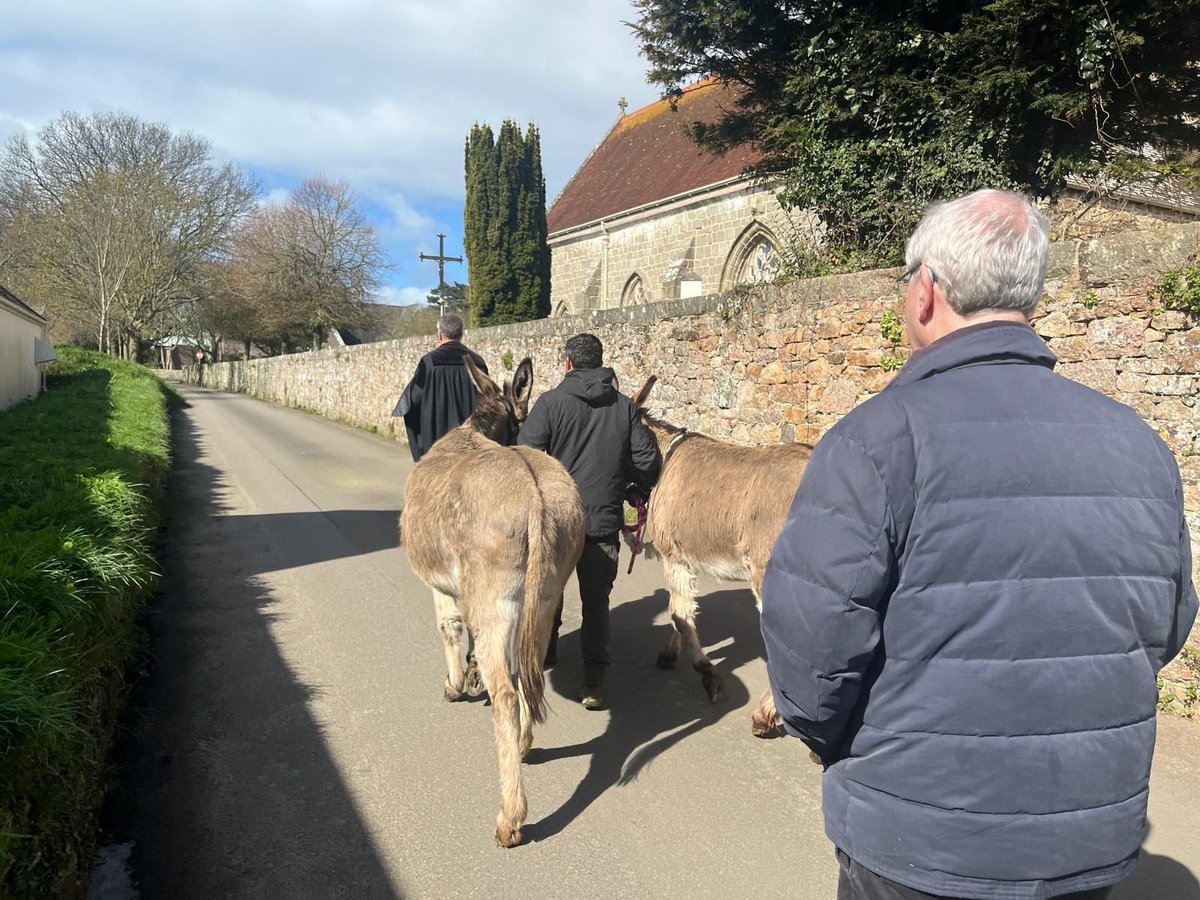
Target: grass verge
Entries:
(82, 475)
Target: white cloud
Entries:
(274, 197)
(401, 296)
(404, 220)
(381, 93)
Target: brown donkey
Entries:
(716, 510)
(495, 531)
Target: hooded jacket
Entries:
(982, 571)
(597, 434)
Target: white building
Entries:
(23, 349)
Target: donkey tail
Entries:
(530, 649)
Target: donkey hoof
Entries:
(712, 685)
(508, 836)
(451, 695)
(666, 660)
(765, 728)
(474, 682)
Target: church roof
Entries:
(648, 156)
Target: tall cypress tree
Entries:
(505, 225)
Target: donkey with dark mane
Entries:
(495, 531)
(716, 510)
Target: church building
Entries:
(650, 216)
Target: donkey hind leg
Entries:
(526, 739)
(669, 654)
(756, 579)
(456, 642)
(505, 719)
(682, 584)
(473, 682)
(495, 648)
(548, 612)
(765, 721)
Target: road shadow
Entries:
(1158, 878)
(295, 539)
(226, 786)
(650, 710)
(291, 539)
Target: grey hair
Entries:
(988, 249)
(451, 326)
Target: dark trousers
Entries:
(596, 571)
(857, 882)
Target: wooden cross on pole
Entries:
(441, 259)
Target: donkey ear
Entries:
(484, 386)
(639, 399)
(522, 386)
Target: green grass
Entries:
(82, 473)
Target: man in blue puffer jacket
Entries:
(982, 572)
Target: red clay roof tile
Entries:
(647, 156)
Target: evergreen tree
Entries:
(870, 110)
(505, 225)
(454, 298)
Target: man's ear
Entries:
(930, 291)
(521, 387)
(484, 386)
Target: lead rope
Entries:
(635, 530)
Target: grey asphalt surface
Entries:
(292, 739)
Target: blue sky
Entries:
(380, 92)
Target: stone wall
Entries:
(784, 363)
(701, 237)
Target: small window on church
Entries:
(761, 263)
(634, 293)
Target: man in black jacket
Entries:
(440, 396)
(596, 432)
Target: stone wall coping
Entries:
(1098, 261)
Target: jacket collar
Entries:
(986, 343)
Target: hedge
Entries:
(82, 475)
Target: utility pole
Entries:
(441, 259)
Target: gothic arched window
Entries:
(635, 291)
(760, 262)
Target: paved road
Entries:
(294, 743)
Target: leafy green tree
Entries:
(871, 110)
(505, 225)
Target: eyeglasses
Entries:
(908, 274)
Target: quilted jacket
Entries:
(981, 573)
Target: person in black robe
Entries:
(440, 395)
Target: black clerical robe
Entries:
(440, 396)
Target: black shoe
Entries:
(592, 698)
